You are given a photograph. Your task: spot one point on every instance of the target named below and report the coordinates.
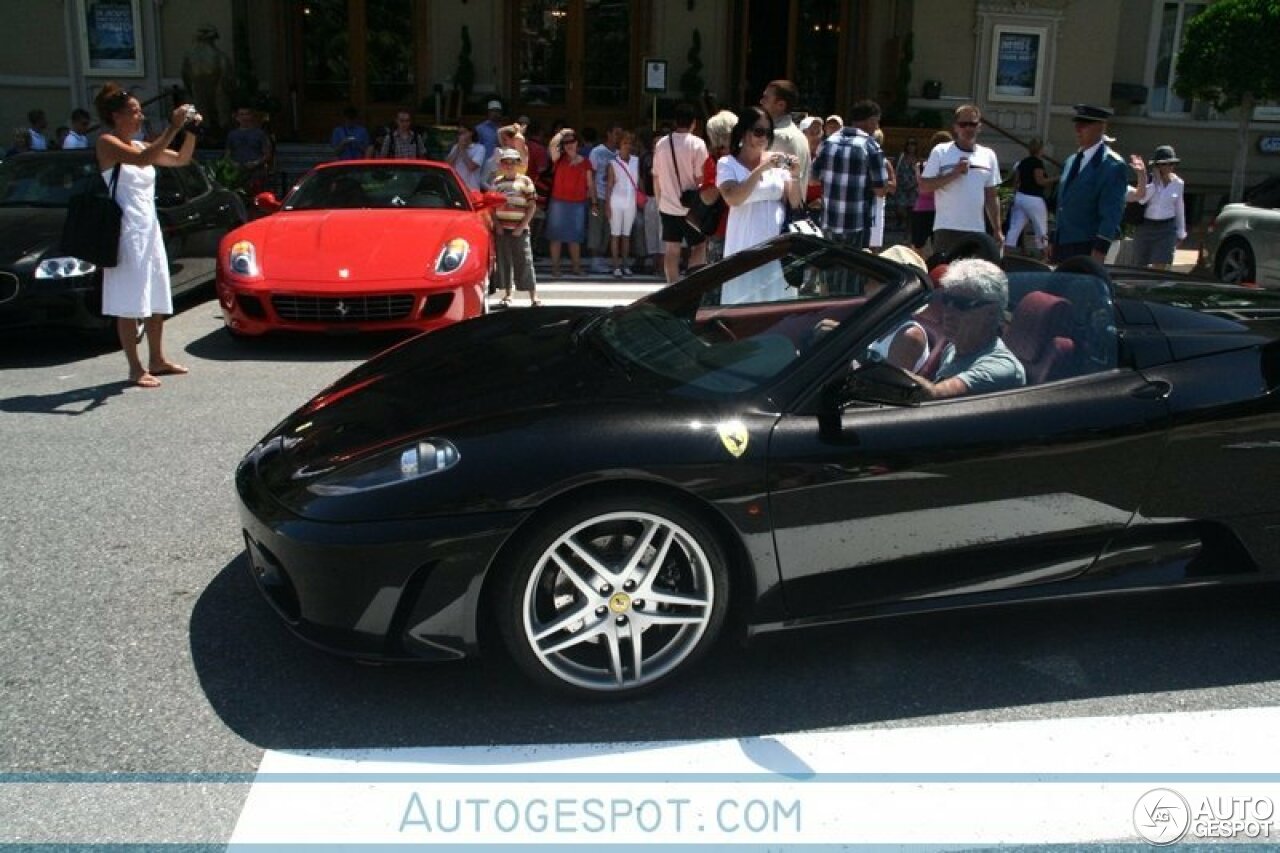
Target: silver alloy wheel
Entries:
(1235, 265)
(618, 601)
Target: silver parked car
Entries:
(1243, 243)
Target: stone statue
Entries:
(209, 77)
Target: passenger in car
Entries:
(907, 344)
(976, 361)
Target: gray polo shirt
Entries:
(995, 368)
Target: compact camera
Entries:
(193, 115)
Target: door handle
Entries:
(1153, 390)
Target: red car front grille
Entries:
(342, 309)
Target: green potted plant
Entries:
(464, 73)
(691, 82)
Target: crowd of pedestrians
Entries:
(621, 203)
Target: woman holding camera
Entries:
(138, 287)
(758, 184)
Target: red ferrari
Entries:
(360, 245)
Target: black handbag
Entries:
(705, 218)
(798, 221)
(688, 198)
(91, 231)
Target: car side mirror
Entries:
(880, 382)
(487, 200)
(266, 201)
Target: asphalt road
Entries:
(134, 640)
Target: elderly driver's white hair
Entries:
(978, 278)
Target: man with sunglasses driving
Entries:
(976, 361)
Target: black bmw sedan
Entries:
(610, 492)
(40, 285)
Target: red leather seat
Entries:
(1040, 336)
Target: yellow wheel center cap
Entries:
(619, 602)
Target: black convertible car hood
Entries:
(496, 365)
(27, 231)
(465, 379)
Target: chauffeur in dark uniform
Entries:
(1092, 191)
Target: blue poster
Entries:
(112, 35)
(1017, 58)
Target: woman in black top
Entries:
(1030, 183)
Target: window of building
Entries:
(1169, 26)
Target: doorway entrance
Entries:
(818, 50)
(363, 53)
(576, 60)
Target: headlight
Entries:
(64, 268)
(453, 255)
(420, 459)
(243, 259)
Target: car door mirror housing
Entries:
(266, 201)
(487, 200)
(880, 382)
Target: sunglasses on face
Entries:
(759, 131)
(967, 123)
(961, 303)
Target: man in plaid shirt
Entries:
(850, 168)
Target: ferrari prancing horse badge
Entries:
(734, 437)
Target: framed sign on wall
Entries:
(1017, 64)
(655, 76)
(111, 37)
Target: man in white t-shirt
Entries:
(963, 177)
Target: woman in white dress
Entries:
(138, 287)
(758, 186)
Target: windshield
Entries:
(422, 187)
(746, 322)
(44, 180)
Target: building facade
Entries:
(589, 62)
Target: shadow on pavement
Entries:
(78, 401)
(278, 693)
(219, 345)
(46, 346)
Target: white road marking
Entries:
(1060, 781)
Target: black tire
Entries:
(1234, 263)
(571, 628)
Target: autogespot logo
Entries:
(1161, 816)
